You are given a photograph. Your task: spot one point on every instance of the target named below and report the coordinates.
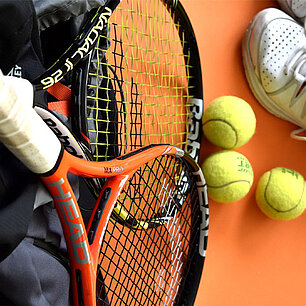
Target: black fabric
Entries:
(20, 55)
(52, 12)
(16, 201)
(63, 32)
(19, 39)
(25, 281)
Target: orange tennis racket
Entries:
(153, 251)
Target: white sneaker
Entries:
(274, 57)
(295, 8)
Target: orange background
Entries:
(251, 259)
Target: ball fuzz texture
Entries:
(229, 122)
(280, 194)
(229, 176)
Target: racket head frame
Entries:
(194, 104)
(84, 252)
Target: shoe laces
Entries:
(296, 60)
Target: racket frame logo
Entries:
(203, 200)
(70, 61)
(195, 126)
(68, 207)
(61, 131)
(110, 170)
(93, 35)
(64, 139)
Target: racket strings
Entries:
(141, 68)
(138, 266)
(149, 190)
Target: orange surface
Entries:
(251, 259)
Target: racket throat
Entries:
(83, 274)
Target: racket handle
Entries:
(22, 131)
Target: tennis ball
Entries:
(229, 176)
(229, 122)
(280, 194)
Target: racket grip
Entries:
(22, 131)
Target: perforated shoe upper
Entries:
(274, 51)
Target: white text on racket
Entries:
(89, 42)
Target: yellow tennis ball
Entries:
(229, 122)
(229, 176)
(280, 194)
